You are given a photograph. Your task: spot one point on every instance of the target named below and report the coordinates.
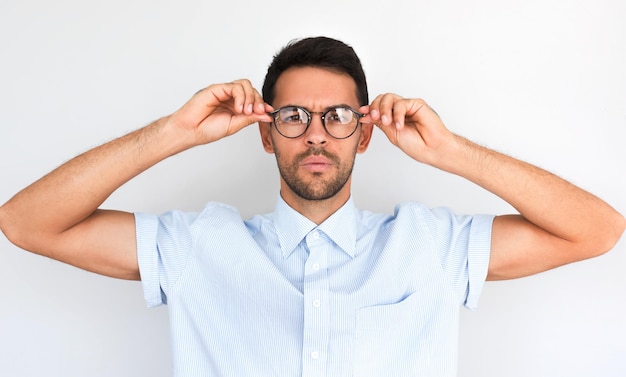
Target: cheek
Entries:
(280, 152)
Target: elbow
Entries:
(11, 229)
(620, 227)
(6, 226)
(4, 222)
(617, 230)
(605, 239)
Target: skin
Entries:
(58, 217)
(332, 163)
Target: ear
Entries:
(366, 136)
(266, 137)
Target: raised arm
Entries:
(58, 215)
(558, 223)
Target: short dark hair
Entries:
(322, 52)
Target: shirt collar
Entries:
(292, 227)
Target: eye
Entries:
(339, 115)
(294, 118)
(334, 117)
(292, 115)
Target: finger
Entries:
(254, 98)
(255, 109)
(415, 106)
(366, 118)
(419, 110)
(230, 93)
(253, 102)
(386, 108)
(248, 96)
(374, 109)
(399, 113)
(260, 117)
(241, 121)
(260, 107)
(203, 103)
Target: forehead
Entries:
(314, 88)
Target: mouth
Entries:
(316, 163)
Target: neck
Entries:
(316, 210)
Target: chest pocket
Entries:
(415, 337)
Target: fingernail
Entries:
(385, 120)
(249, 108)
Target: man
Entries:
(317, 287)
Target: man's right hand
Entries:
(220, 110)
(58, 215)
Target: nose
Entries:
(316, 133)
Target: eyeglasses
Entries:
(293, 121)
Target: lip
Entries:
(316, 163)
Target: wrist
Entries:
(453, 154)
(172, 136)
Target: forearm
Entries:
(73, 191)
(558, 223)
(545, 200)
(58, 215)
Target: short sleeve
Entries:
(463, 245)
(148, 258)
(479, 251)
(164, 244)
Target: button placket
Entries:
(316, 312)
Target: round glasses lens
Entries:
(340, 122)
(339, 115)
(292, 121)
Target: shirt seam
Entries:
(176, 285)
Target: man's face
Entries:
(315, 166)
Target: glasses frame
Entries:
(274, 114)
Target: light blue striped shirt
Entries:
(362, 294)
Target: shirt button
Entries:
(316, 267)
(315, 235)
(315, 355)
(316, 303)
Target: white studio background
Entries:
(542, 80)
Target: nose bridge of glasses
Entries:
(316, 126)
(312, 115)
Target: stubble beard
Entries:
(318, 188)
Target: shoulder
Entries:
(417, 213)
(212, 213)
(418, 217)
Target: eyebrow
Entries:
(323, 110)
